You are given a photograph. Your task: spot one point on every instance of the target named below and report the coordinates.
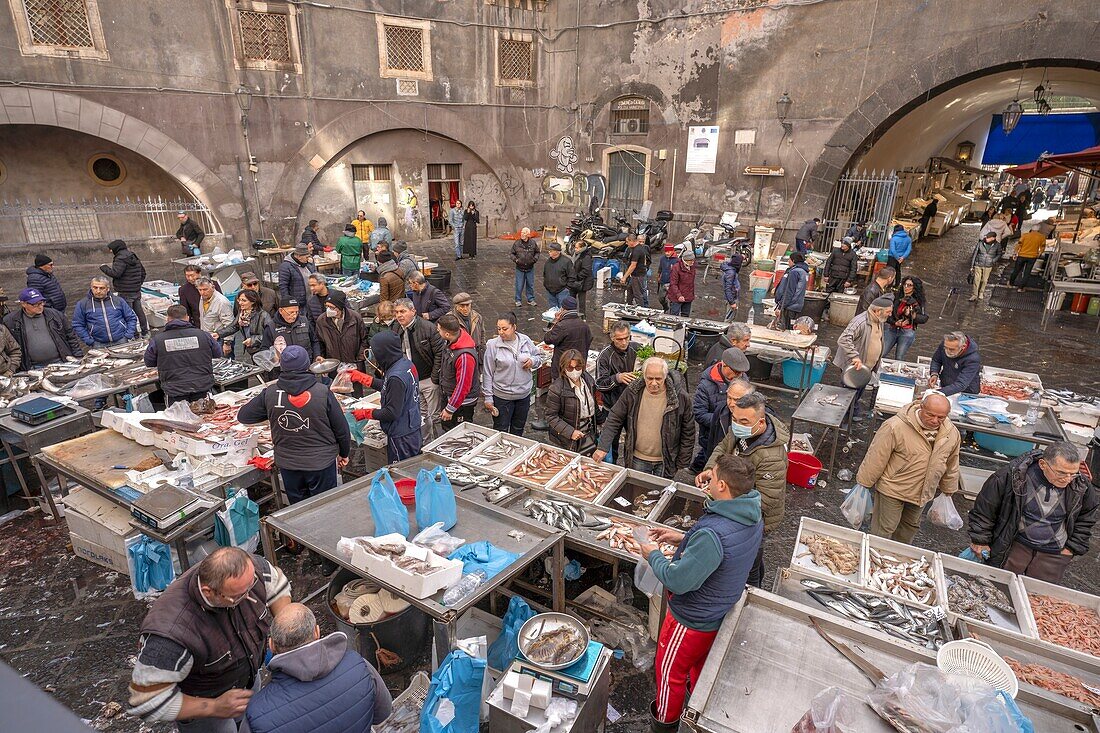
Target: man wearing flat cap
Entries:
(860, 344)
(471, 320)
(711, 395)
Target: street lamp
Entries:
(1039, 92)
(244, 101)
(1011, 116)
(783, 107)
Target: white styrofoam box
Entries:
(1078, 434)
(541, 692)
(418, 586)
(909, 553)
(1013, 588)
(1083, 415)
(98, 520)
(603, 275)
(112, 419)
(801, 558)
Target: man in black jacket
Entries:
(569, 331)
(127, 276)
(840, 268)
(881, 284)
(525, 253)
(190, 235)
(423, 346)
(294, 327)
(615, 364)
(43, 334)
(430, 301)
(1035, 514)
(556, 275)
(308, 428)
(583, 279)
(183, 356)
(41, 277)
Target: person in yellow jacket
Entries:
(363, 226)
(1028, 249)
(914, 454)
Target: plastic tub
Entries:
(803, 469)
(759, 370)
(760, 279)
(794, 378)
(1005, 446)
(780, 271)
(440, 278)
(764, 265)
(406, 489)
(758, 294)
(842, 309)
(702, 344)
(407, 634)
(814, 304)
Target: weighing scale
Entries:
(40, 410)
(573, 681)
(165, 506)
(895, 390)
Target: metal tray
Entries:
(319, 523)
(557, 484)
(534, 626)
(461, 430)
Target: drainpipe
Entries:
(244, 201)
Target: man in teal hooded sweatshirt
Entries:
(704, 579)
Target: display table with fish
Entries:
(540, 466)
(904, 571)
(829, 551)
(1065, 617)
(585, 479)
(459, 442)
(499, 451)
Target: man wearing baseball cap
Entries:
(42, 333)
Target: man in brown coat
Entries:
(341, 330)
(11, 356)
(914, 454)
(391, 283)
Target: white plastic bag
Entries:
(437, 540)
(944, 514)
(646, 581)
(857, 505)
(342, 384)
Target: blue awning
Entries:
(1038, 134)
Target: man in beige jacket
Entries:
(912, 455)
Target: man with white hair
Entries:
(215, 313)
(956, 365)
(525, 253)
(860, 344)
(317, 684)
(657, 422)
(914, 455)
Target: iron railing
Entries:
(58, 222)
(860, 196)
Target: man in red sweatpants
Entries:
(704, 579)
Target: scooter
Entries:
(654, 232)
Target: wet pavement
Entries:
(71, 627)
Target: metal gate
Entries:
(58, 222)
(860, 196)
(625, 180)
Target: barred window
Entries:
(265, 36)
(444, 171)
(515, 60)
(69, 28)
(404, 49)
(371, 172)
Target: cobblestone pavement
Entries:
(71, 627)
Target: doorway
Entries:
(626, 180)
(443, 192)
(372, 186)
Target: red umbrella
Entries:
(1056, 165)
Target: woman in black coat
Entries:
(470, 219)
(571, 408)
(907, 314)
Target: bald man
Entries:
(912, 456)
(317, 685)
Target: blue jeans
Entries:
(458, 240)
(525, 280)
(513, 414)
(655, 468)
(679, 309)
(554, 299)
(903, 337)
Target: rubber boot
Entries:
(657, 726)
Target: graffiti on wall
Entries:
(576, 190)
(408, 203)
(487, 191)
(564, 155)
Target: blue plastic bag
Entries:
(238, 525)
(389, 514)
(150, 565)
(458, 680)
(505, 648)
(1023, 723)
(435, 499)
(483, 556)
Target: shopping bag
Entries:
(857, 505)
(506, 646)
(238, 525)
(435, 499)
(342, 383)
(483, 556)
(944, 514)
(645, 579)
(972, 556)
(389, 514)
(150, 565)
(453, 704)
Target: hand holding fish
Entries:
(666, 536)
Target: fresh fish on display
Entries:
(374, 433)
(584, 481)
(561, 515)
(679, 521)
(395, 552)
(462, 476)
(541, 466)
(404, 717)
(620, 536)
(230, 370)
(1066, 623)
(914, 580)
(839, 557)
(1055, 681)
(974, 596)
(923, 628)
(502, 451)
(555, 647)
(459, 445)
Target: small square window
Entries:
(265, 35)
(515, 61)
(67, 28)
(404, 49)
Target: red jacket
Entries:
(681, 283)
(460, 373)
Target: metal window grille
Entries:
(866, 196)
(404, 48)
(59, 23)
(371, 172)
(265, 36)
(49, 222)
(630, 121)
(408, 87)
(515, 60)
(444, 172)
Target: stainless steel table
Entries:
(33, 438)
(829, 406)
(319, 523)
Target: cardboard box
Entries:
(100, 555)
(98, 522)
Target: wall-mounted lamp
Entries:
(964, 151)
(244, 101)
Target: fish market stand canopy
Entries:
(1055, 165)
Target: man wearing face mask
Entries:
(202, 642)
(860, 344)
(761, 440)
(399, 410)
(914, 454)
(710, 395)
(341, 330)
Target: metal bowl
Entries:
(980, 418)
(324, 366)
(856, 378)
(543, 622)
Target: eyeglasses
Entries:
(231, 601)
(1061, 474)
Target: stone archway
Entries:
(28, 106)
(366, 120)
(1034, 44)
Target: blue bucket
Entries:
(1006, 446)
(758, 295)
(793, 376)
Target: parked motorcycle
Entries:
(654, 232)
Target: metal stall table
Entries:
(90, 461)
(319, 523)
(826, 405)
(801, 346)
(767, 663)
(1058, 290)
(33, 438)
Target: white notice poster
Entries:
(702, 149)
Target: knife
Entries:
(872, 672)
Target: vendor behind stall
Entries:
(183, 357)
(956, 365)
(399, 413)
(705, 579)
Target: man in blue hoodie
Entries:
(901, 246)
(399, 412)
(704, 579)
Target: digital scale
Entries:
(166, 506)
(40, 410)
(575, 680)
(895, 390)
